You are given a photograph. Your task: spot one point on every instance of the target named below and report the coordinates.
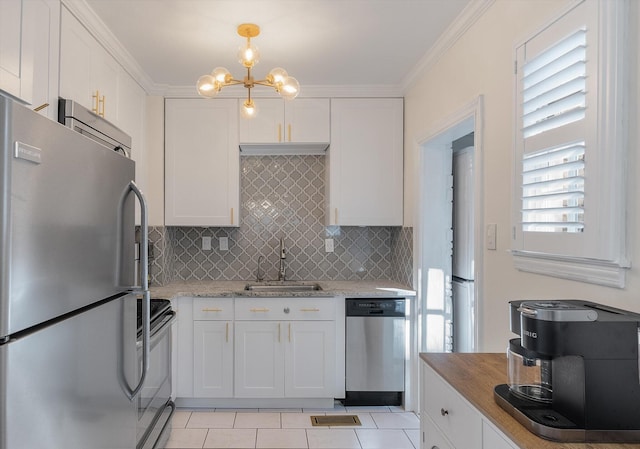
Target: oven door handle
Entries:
(158, 334)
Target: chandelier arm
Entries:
(233, 82)
(264, 83)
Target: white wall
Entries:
(155, 159)
(481, 63)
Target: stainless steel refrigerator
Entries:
(68, 366)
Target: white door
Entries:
(213, 359)
(259, 364)
(310, 359)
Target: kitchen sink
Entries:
(283, 287)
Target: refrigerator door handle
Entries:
(144, 271)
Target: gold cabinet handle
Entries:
(232, 215)
(289, 131)
(279, 133)
(227, 333)
(310, 310)
(95, 109)
(211, 310)
(102, 101)
(41, 107)
(259, 309)
(336, 215)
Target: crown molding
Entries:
(99, 30)
(465, 20)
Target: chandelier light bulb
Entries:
(290, 88)
(277, 77)
(221, 75)
(248, 55)
(207, 86)
(249, 109)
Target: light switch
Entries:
(206, 243)
(328, 245)
(492, 230)
(224, 243)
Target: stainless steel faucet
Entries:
(283, 256)
(259, 272)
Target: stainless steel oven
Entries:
(155, 407)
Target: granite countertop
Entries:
(475, 375)
(236, 289)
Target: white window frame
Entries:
(598, 254)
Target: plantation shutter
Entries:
(554, 101)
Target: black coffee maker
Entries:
(573, 373)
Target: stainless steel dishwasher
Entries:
(375, 351)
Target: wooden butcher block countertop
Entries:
(475, 375)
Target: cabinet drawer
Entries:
(210, 309)
(459, 422)
(431, 436)
(314, 309)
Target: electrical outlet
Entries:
(206, 243)
(328, 245)
(224, 243)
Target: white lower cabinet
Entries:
(448, 421)
(213, 359)
(283, 358)
(259, 367)
(239, 349)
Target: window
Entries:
(570, 145)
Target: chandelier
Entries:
(287, 86)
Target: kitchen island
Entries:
(472, 378)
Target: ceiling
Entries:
(320, 42)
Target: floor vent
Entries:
(336, 420)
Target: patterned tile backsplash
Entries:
(282, 196)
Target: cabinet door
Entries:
(259, 364)
(431, 436)
(88, 73)
(202, 162)
(267, 126)
(307, 120)
(28, 51)
(10, 45)
(310, 359)
(213, 359)
(492, 439)
(366, 163)
(451, 414)
(76, 45)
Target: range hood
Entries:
(283, 148)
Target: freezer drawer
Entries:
(63, 386)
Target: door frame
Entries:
(466, 119)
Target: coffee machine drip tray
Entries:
(540, 419)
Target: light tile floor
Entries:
(382, 428)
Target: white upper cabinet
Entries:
(202, 162)
(365, 162)
(88, 74)
(29, 32)
(303, 120)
